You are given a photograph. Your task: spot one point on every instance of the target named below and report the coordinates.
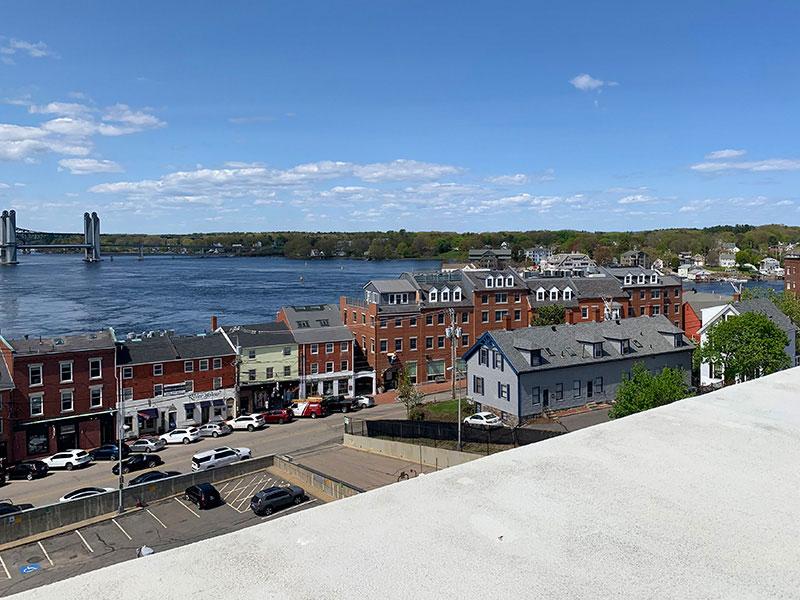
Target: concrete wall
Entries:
(314, 481)
(438, 458)
(47, 518)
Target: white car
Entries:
(219, 457)
(84, 493)
(215, 429)
(182, 436)
(147, 445)
(68, 459)
(249, 422)
(485, 420)
(365, 401)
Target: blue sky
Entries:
(208, 116)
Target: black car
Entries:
(204, 495)
(8, 508)
(109, 452)
(271, 499)
(152, 476)
(338, 404)
(29, 469)
(137, 462)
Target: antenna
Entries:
(737, 289)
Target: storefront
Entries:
(40, 438)
(158, 415)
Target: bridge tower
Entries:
(91, 237)
(8, 238)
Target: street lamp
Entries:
(453, 333)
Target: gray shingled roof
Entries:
(582, 287)
(620, 272)
(164, 348)
(256, 335)
(317, 332)
(768, 308)
(700, 300)
(478, 279)
(562, 346)
(95, 340)
(392, 286)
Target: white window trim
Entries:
(433, 295)
(100, 376)
(509, 281)
(457, 294)
(540, 293)
(71, 371)
(160, 369)
(445, 295)
(61, 393)
(190, 364)
(40, 397)
(92, 389)
(490, 282)
(41, 375)
(204, 360)
(127, 370)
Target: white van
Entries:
(219, 457)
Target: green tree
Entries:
(747, 256)
(644, 390)
(407, 394)
(552, 314)
(744, 347)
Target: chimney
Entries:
(508, 322)
(737, 296)
(213, 323)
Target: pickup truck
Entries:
(339, 404)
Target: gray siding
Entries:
(491, 378)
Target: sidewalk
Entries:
(431, 391)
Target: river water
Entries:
(60, 294)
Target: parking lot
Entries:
(162, 525)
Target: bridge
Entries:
(13, 239)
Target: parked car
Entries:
(82, 493)
(484, 420)
(204, 495)
(215, 429)
(152, 476)
(184, 435)
(29, 469)
(9, 508)
(137, 462)
(278, 415)
(338, 404)
(249, 422)
(271, 499)
(109, 452)
(68, 459)
(365, 401)
(148, 445)
(219, 457)
(308, 408)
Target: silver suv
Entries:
(219, 457)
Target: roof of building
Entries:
(274, 333)
(768, 308)
(501, 253)
(633, 253)
(662, 280)
(661, 504)
(95, 340)
(167, 347)
(548, 283)
(6, 382)
(700, 300)
(316, 323)
(478, 279)
(392, 286)
(648, 336)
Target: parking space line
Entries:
(220, 490)
(50, 560)
(286, 512)
(244, 489)
(250, 495)
(114, 521)
(233, 489)
(85, 543)
(186, 507)
(160, 522)
(5, 568)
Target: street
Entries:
(296, 438)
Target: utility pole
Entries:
(453, 333)
(121, 437)
(237, 387)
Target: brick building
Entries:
(173, 381)
(584, 298)
(401, 322)
(325, 350)
(6, 386)
(64, 393)
(651, 293)
(791, 275)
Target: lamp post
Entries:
(453, 333)
(121, 429)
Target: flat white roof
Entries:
(699, 499)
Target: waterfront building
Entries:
(791, 275)
(595, 298)
(650, 292)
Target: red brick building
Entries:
(325, 351)
(584, 298)
(6, 386)
(791, 275)
(173, 381)
(64, 393)
(651, 293)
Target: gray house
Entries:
(522, 373)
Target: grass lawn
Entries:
(447, 410)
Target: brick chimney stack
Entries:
(213, 323)
(508, 322)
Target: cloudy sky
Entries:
(209, 116)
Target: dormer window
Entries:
(536, 358)
(433, 295)
(509, 281)
(490, 281)
(624, 346)
(597, 350)
(540, 294)
(641, 278)
(628, 279)
(445, 295)
(554, 294)
(567, 295)
(457, 294)
(653, 278)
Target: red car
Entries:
(279, 416)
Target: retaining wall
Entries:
(312, 480)
(439, 458)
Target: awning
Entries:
(148, 413)
(219, 402)
(188, 405)
(205, 403)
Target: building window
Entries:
(641, 294)
(95, 368)
(314, 368)
(465, 317)
(490, 281)
(287, 350)
(484, 316)
(384, 345)
(189, 412)
(363, 318)
(412, 322)
(344, 365)
(37, 439)
(429, 342)
(483, 356)
(287, 371)
(251, 354)
(428, 319)
(217, 383)
(302, 324)
(158, 370)
(501, 298)
(497, 361)
(412, 343)
(329, 348)
(371, 344)
(554, 294)
(314, 348)
(598, 385)
(251, 375)
(655, 294)
(509, 281)
(398, 344)
(584, 312)
(127, 372)
(34, 375)
(188, 386)
(270, 372)
(677, 292)
(576, 388)
(536, 395)
(445, 295)
(96, 396)
(465, 340)
(503, 391)
(484, 298)
(204, 364)
(517, 298)
(411, 370)
(518, 315)
(127, 394)
(440, 319)
(323, 322)
(641, 311)
(158, 390)
(477, 385)
(457, 295)
(677, 309)
(559, 391)
(656, 309)
(344, 346)
(499, 315)
(540, 294)
(567, 294)
(188, 366)
(433, 295)
(218, 363)
(37, 404)
(440, 341)
(66, 372)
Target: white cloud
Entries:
(516, 179)
(756, 166)
(4, 186)
(14, 47)
(636, 199)
(252, 119)
(727, 153)
(86, 166)
(697, 206)
(587, 83)
(403, 169)
(66, 109)
(139, 119)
